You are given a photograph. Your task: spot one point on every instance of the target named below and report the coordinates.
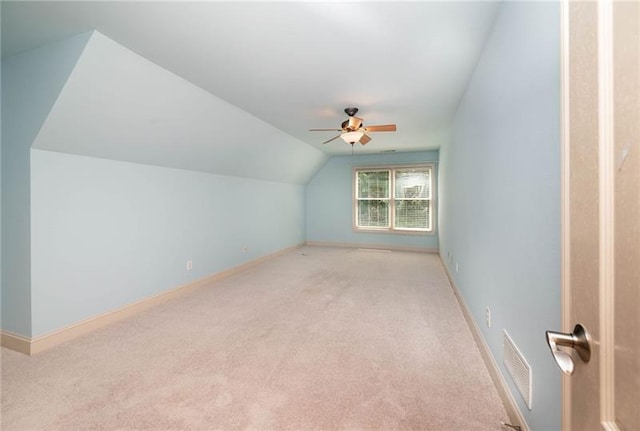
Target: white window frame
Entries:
(431, 166)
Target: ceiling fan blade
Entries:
(335, 137)
(381, 128)
(325, 130)
(364, 139)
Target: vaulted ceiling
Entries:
(294, 66)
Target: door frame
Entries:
(606, 194)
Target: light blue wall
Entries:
(31, 83)
(329, 202)
(82, 235)
(0, 187)
(107, 233)
(500, 195)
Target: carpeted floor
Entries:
(318, 339)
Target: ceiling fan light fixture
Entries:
(352, 137)
(352, 129)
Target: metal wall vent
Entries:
(518, 367)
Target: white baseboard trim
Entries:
(372, 246)
(515, 415)
(35, 345)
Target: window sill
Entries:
(395, 232)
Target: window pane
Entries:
(373, 213)
(373, 184)
(412, 214)
(413, 183)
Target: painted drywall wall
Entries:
(89, 95)
(107, 233)
(31, 83)
(118, 105)
(0, 188)
(500, 195)
(330, 202)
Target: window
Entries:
(394, 198)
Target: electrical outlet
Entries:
(457, 268)
(488, 317)
(189, 265)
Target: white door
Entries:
(601, 213)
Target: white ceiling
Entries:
(294, 65)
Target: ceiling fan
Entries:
(353, 129)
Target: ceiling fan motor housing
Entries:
(353, 123)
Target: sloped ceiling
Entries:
(294, 66)
(118, 105)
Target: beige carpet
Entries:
(317, 339)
